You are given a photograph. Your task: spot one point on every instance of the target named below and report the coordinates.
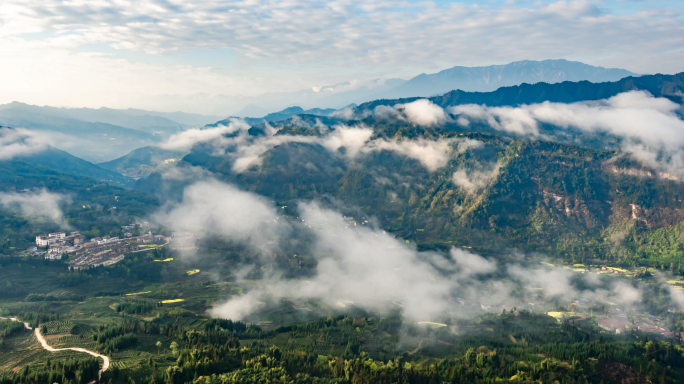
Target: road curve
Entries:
(47, 347)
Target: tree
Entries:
(174, 348)
(159, 344)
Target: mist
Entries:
(475, 180)
(247, 150)
(650, 127)
(368, 268)
(16, 142)
(42, 204)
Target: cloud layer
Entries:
(235, 141)
(372, 269)
(41, 204)
(145, 53)
(650, 127)
(20, 142)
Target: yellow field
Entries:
(165, 260)
(137, 293)
(192, 272)
(431, 323)
(557, 315)
(172, 301)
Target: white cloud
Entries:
(378, 272)
(146, 53)
(371, 268)
(432, 154)
(423, 112)
(212, 207)
(476, 179)
(420, 112)
(42, 204)
(184, 141)
(20, 142)
(650, 126)
(247, 150)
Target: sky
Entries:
(172, 55)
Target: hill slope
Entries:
(63, 162)
(141, 162)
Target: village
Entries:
(97, 251)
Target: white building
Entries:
(44, 241)
(109, 240)
(53, 256)
(58, 235)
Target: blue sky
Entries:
(162, 54)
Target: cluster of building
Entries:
(648, 323)
(59, 243)
(97, 251)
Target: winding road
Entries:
(47, 347)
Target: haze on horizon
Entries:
(201, 57)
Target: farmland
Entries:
(151, 318)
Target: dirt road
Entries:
(41, 339)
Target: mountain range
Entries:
(470, 79)
(98, 135)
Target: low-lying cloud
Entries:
(216, 208)
(475, 180)
(420, 112)
(651, 129)
(370, 268)
(41, 204)
(246, 150)
(184, 141)
(16, 142)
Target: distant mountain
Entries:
(95, 142)
(565, 92)
(252, 110)
(490, 78)
(329, 96)
(163, 123)
(142, 161)
(188, 119)
(285, 114)
(63, 162)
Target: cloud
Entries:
(474, 180)
(249, 48)
(649, 126)
(432, 154)
(42, 204)
(420, 112)
(20, 142)
(246, 150)
(184, 141)
(212, 207)
(416, 34)
(373, 270)
(516, 120)
(423, 112)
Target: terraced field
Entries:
(56, 327)
(24, 349)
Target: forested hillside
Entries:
(29, 191)
(565, 200)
